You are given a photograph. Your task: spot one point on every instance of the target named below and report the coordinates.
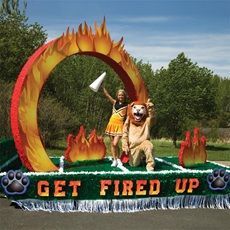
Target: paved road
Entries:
(183, 219)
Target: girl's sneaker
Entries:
(119, 163)
(114, 164)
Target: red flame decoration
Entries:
(192, 152)
(81, 149)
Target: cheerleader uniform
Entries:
(116, 121)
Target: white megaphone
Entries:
(97, 83)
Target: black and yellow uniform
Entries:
(116, 121)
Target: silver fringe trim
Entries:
(126, 205)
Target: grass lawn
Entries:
(216, 151)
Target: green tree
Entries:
(9, 7)
(56, 123)
(184, 93)
(18, 40)
(5, 95)
(223, 102)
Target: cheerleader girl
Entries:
(115, 126)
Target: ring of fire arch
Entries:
(36, 71)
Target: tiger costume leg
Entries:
(136, 154)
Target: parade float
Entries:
(83, 179)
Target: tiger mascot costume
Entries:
(136, 134)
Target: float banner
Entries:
(117, 185)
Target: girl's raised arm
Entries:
(108, 96)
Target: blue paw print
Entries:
(14, 182)
(218, 179)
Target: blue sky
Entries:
(154, 31)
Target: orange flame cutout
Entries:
(192, 153)
(81, 149)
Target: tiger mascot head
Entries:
(137, 112)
